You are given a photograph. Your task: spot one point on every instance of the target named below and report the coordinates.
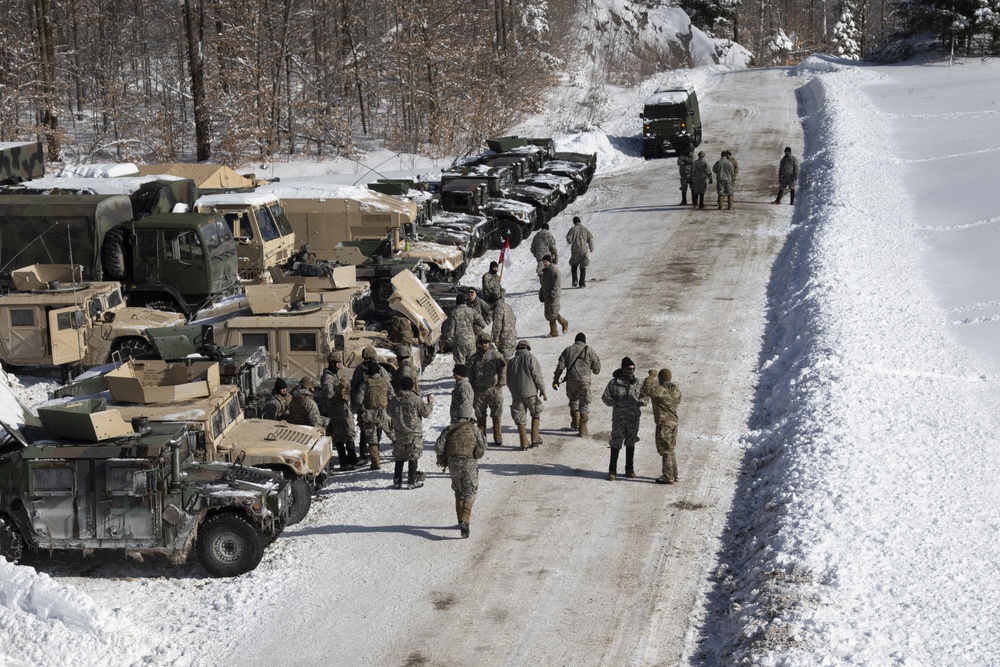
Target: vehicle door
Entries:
(67, 335)
(58, 505)
(128, 508)
(25, 340)
(303, 353)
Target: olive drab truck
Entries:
(264, 237)
(149, 194)
(79, 477)
(478, 190)
(671, 122)
(191, 392)
(54, 319)
(21, 161)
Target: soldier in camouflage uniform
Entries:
(302, 409)
(405, 368)
(462, 396)
(504, 328)
(402, 331)
(488, 377)
(581, 244)
(336, 391)
(407, 411)
(624, 395)
(788, 176)
(492, 289)
(460, 331)
(367, 354)
(701, 176)
(458, 448)
(472, 300)
(544, 244)
(374, 395)
(724, 172)
(580, 361)
(551, 294)
(684, 164)
(524, 380)
(666, 396)
(276, 406)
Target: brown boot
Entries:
(463, 523)
(564, 322)
(522, 432)
(553, 331)
(459, 505)
(720, 202)
(481, 423)
(729, 203)
(497, 431)
(373, 453)
(574, 420)
(535, 438)
(583, 423)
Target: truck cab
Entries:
(671, 122)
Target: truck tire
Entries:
(12, 545)
(229, 546)
(505, 228)
(131, 347)
(113, 254)
(301, 500)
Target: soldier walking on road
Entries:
(473, 301)
(551, 293)
(666, 397)
(368, 354)
(524, 379)
(374, 395)
(701, 176)
(458, 449)
(462, 396)
(276, 406)
(504, 328)
(736, 168)
(724, 173)
(407, 411)
(624, 396)
(788, 176)
(581, 244)
(580, 361)
(488, 377)
(336, 392)
(544, 244)
(492, 289)
(684, 164)
(460, 330)
(302, 409)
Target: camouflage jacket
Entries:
(484, 310)
(303, 410)
(335, 389)
(276, 407)
(788, 170)
(462, 401)
(375, 393)
(504, 325)
(551, 283)
(666, 397)
(358, 378)
(581, 243)
(462, 324)
(406, 369)
(684, 163)
(401, 331)
(724, 170)
(736, 166)
(579, 361)
(461, 440)
(701, 174)
(492, 289)
(407, 411)
(544, 244)
(624, 397)
(487, 369)
(524, 375)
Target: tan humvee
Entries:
(54, 319)
(191, 393)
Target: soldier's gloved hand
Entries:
(555, 385)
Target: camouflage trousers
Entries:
(490, 400)
(463, 349)
(666, 440)
(685, 180)
(464, 478)
(551, 310)
(724, 188)
(341, 426)
(408, 446)
(371, 420)
(578, 393)
(520, 406)
(624, 429)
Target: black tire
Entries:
(132, 347)
(301, 500)
(429, 352)
(511, 228)
(12, 545)
(229, 546)
(113, 254)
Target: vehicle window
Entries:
(114, 299)
(233, 222)
(52, 481)
(64, 321)
(122, 481)
(256, 340)
(665, 111)
(302, 342)
(22, 318)
(278, 213)
(183, 245)
(268, 227)
(232, 410)
(215, 235)
(94, 308)
(218, 423)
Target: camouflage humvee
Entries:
(52, 319)
(81, 478)
(21, 161)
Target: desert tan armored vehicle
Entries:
(263, 234)
(54, 319)
(191, 393)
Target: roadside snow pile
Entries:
(45, 623)
(864, 531)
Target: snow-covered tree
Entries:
(846, 38)
(779, 47)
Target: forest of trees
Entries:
(244, 80)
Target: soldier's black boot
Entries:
(792, 197)
(345, 463)
(352, 454)
(397, 475)
(684, 196)
(583, 276)
(414, 478)
(701, 200)
(630, 462)
(613, 465)
(573, 271)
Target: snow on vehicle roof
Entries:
(321, 190)
(237, 199)
(119, 185)
(668, 96)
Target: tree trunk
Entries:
(194, 24)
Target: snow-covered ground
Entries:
(864, 526)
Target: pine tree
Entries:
(846, 38)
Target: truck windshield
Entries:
(652, 112)
(278, 213)
(216, 235)
(268, 227)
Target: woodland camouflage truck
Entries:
(21, 162)
(81, 478)
(671, 122)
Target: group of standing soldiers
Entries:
(696, 174)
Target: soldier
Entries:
(473, 301)
(462, 396)
(302, 409)
(701, 176)
(374, 395)
(407, 411)
(684, 163)
(460, 330)
(504, 328)
(550, 294)
(458, 448)
(581, 244)
(368, 354)
(405, 368)
(524, 380)
(665, 396)
(488, 377)
(736, 167)
(336, 391)
(580, 362)
(788, 176)
(625, 397)
(401, 331)
(724, 173)
(492, 289)
(276, 406)
(544, 245)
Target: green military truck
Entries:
(671, 122)
(21, 161)
(81, 478)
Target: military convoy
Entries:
(671, 122)
(81, 478)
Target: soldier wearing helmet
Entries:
(524, 380)
(335, 385)
(488, 377)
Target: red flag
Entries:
(505, 259)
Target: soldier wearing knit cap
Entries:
(580, 362)
(492, 290)
(666, 396)
(276, 406)
(624, 395)
(462, 396)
